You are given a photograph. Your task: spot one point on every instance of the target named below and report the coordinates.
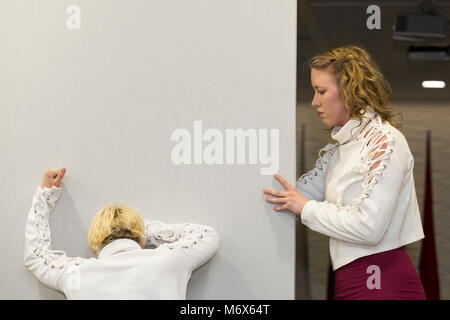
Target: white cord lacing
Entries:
(371, 144)
(187, 236)
(370, 136)
(321, 162)
(52, 258)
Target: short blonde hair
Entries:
(360, 80)
(114, 222)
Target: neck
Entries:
(347, 117)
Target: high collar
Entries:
(119, 245)
(346, 133)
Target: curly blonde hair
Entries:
(360, 82)
(115, 222)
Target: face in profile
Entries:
(327, 100)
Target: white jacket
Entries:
(361, 193)
(123, 269)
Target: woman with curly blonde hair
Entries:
(361, 192)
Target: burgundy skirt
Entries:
(387, 275)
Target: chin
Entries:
(327, 123)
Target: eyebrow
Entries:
(317, 87)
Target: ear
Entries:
(143, 242)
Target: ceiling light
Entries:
(433, 84)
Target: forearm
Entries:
(45, 264)
(365, 220)
(193, 244)
(158, 232)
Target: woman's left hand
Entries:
(290, 199)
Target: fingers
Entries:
(53, 177)
(275, 193)
(51, 173)
(283, 198)
(277, 200)
(281, 208)
(287, 198)
(60, 175)
(62, 172)
(283, 182)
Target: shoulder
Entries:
(399, 140)
(396, 145)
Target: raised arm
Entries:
(47, 265)
(195, 244)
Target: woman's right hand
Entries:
(290, 199)
(53, 177)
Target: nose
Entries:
(315, 101)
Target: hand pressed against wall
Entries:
(290, 199)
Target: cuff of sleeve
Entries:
(50, 194)
(153, 227)
(308, 212)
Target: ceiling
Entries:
(325, 24)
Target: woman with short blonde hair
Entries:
(124, 268)
(115, 222)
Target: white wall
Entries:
(103, 102)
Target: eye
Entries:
(321, 92)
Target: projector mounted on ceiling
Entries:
(421, 27)
(416, 27)
(427, 28)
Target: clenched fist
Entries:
(52, 177)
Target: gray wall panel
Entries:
(103, 102)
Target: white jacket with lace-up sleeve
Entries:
(361, 191)
(123, 269)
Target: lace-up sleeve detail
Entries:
(312, 183)
(193, 244)
(383, 167)
(46, 264)
(375, 156)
